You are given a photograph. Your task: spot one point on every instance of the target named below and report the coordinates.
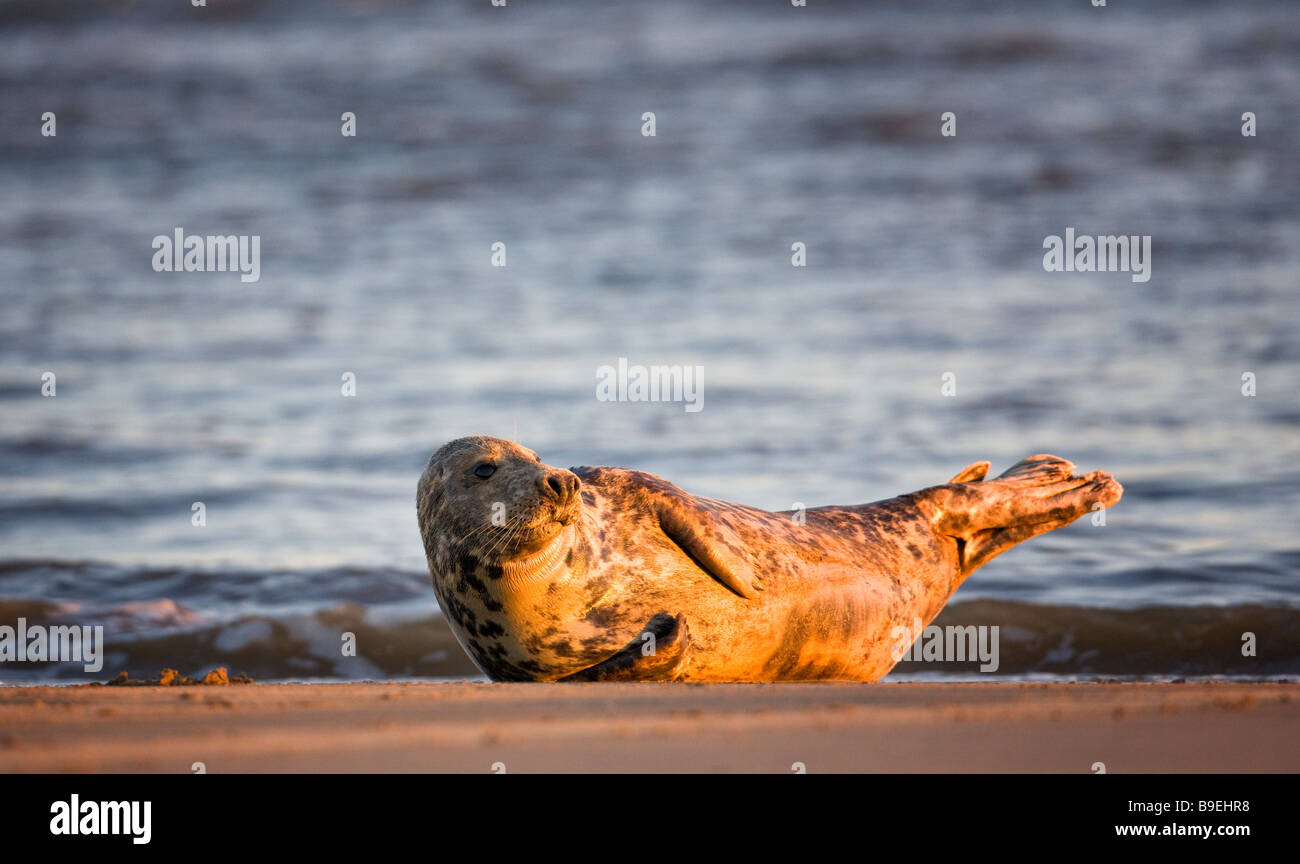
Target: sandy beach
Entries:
(521, 728)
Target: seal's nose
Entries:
(563, 485)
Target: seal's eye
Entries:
(485, 470)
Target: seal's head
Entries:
(493, 500)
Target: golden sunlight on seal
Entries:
(599, 574)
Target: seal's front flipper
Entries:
(700, 528)
(715, 535)
(658, 653)
(709, 543)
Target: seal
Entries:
(604, 574)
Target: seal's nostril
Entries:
(560, 486)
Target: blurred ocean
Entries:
(822, 384)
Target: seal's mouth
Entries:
(534, 533)
(533, 539)
(537, 565)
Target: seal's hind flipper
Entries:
(1065, 500)
(1039, 470)
(1033, 496)
(658, 653)
(971, 473)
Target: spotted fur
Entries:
(589, 560)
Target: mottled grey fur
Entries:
(590, 560)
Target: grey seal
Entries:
(591, 574)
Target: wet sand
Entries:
(518, 728)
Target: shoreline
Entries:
(471, 727)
